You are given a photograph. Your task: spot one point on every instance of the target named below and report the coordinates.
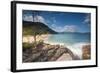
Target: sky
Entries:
(60, 21)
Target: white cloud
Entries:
(28, 18)
(57, 28)
(54, 19)
(66, 28)
(53, 25)
(87, 19)
(38, 18)
(70, 28)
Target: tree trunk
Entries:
(35, 38)
(28, 39)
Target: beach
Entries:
(30, 38)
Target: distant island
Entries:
(74, 32)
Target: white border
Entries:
(37, 65)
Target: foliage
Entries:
(40, 42)
(27, 45)
(31, 45)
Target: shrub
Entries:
(40, 42)
(27, 45)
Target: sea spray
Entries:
(76, 48)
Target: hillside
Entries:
(36, 27)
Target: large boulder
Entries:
(86, 52)
(65, 57)
(46, 52)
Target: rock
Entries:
(51, 53)
(58, 53)
(43, 57)
(48, 47)
(86, 52)
(65, 57)
(26, 53)
(33, 57)
(57, 46)
(46, 52)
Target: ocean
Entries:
(73, 41)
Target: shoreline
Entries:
(30, 39)
(76, 49)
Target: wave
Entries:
(53, 43)
(77, 48)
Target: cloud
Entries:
(54, 19)
(66, 28)
(38, 18)
(87, 19)
(53, 25)
(70, 28)
(56, 28)
(28, 18)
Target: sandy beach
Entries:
(30, 39)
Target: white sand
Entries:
(30, 39)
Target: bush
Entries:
(27, 45)
(40, 42)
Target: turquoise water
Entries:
(70, 38)
(73, 41)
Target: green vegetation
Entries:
(32, 45)
(36, 28)
(27, 45)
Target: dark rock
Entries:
(33, 57)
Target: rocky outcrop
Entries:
(65, 57)
(46, 52)
(86, 52)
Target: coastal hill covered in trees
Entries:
(31, 28)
